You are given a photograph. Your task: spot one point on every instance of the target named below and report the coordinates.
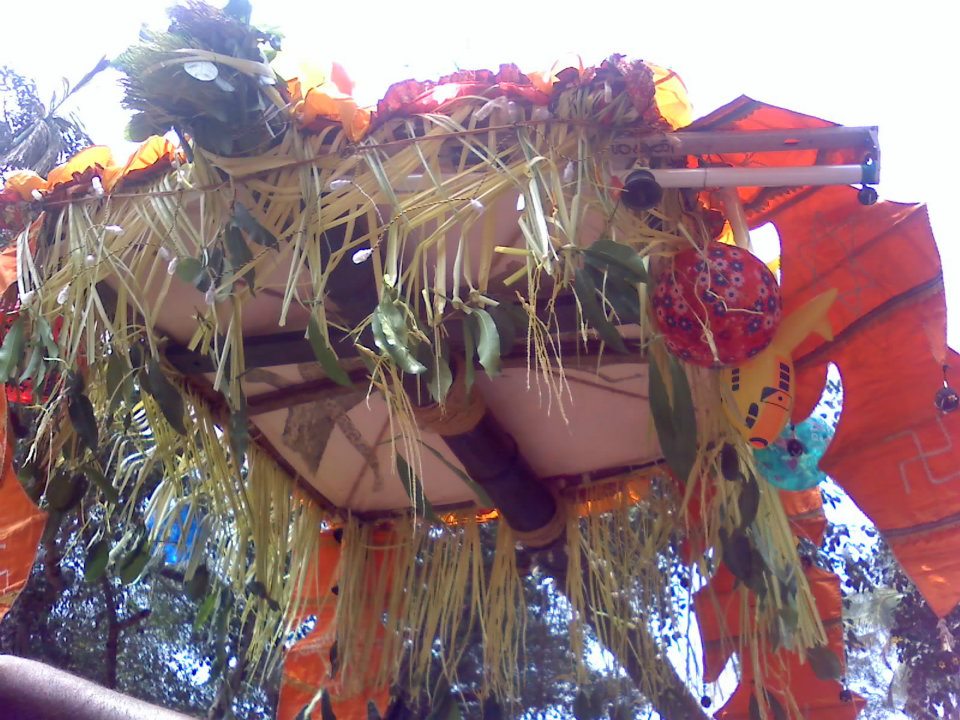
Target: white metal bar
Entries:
(717, 177)
(710, 142)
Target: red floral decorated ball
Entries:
(725, 289)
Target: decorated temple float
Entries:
(352, 339)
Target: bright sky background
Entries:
(891, 64)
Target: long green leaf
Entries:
(414, 488)
(488, 346)
(96, 560)
(477, 489)
(390, 335)
(134, 563)
(673, 422)
(11, 350)
(95, 476)
(165, 393)
(586, 292)
(239, 254)
(249, 224)
(440, 378)
(325, 355)
(469, 353)
(80, 410)
(609, 254)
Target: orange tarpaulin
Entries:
(894, 452)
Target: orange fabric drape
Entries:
(717, 608)
(816, 699)
(308, 665)
(21, 524)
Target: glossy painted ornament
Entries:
(716, 307)
(758, 395)
(787, 469)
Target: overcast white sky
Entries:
(891, 64)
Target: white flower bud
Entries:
(97, 186)
(210, 296)
(63, 295)
(112, 229)
(568, 172)
(90, 261)
(164, 254)
(477, 205)
(27, 298)
(361, 256)
(172, 266)
(521, 203)
(36, 195)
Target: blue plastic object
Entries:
(790, 462)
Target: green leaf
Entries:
(134, 563)
(729, 462)
(80, 410)
(738, 556)
(824, 663)
(192, 271)
(255, 231)
(414, 487)
(259, 590)
(198, 586)
(488, 346)
(582, 706)
(11, 350)
(326, 707)
(96, 560)
(46, 337)
(511, 322)
(748, 501)
(675, 422)
(477, 489)
(390, 334)
(140, 128)
(586, 292)
(119, 381)
(239, 253)
(325, 355)
(238, 430)
(205, 611)
(607, 254)
(469, 353)
(97, 477)
(440, 379)
(33, 364)
(492, 710)
(165, 393)
(65, 491)
(619, 292)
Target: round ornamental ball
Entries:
(723, 294)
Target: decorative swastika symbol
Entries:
(924, 455)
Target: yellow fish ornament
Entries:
(758, 396)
